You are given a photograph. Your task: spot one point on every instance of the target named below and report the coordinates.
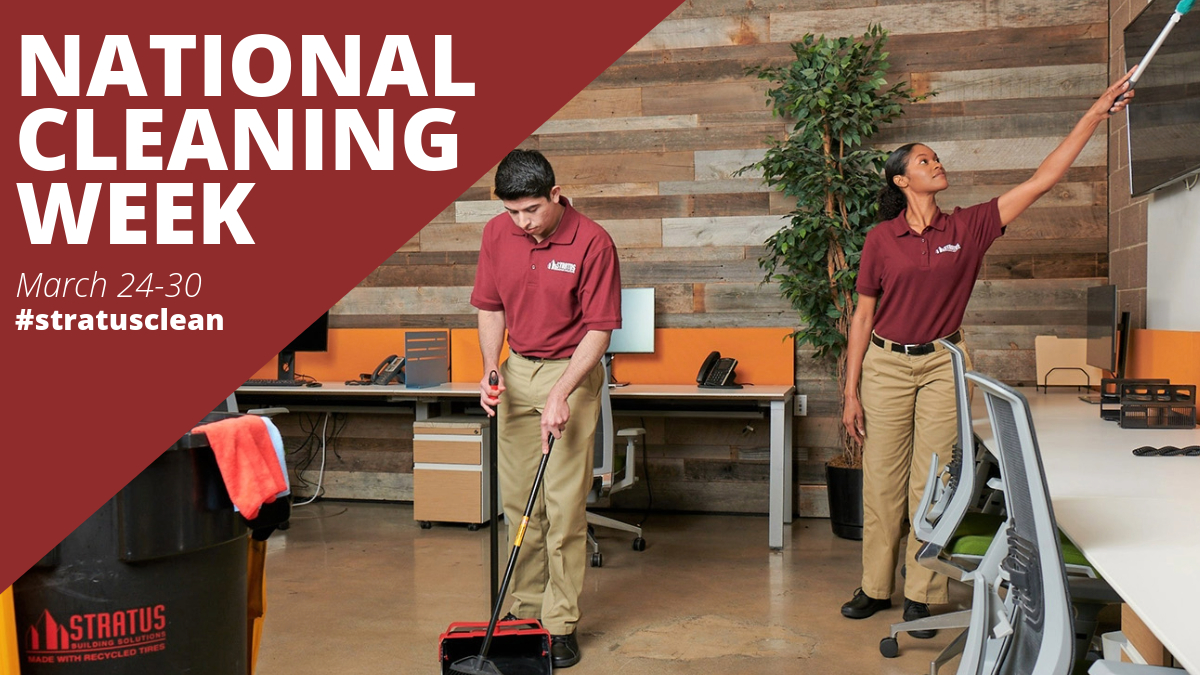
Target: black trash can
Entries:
(153, 582)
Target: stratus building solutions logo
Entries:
(561, 266)
(98, 636)
(948, 248)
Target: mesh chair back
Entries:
(605, 435)
(228, 405)
(943, 507)
(1037, 605)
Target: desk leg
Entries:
(781, 473)
(427, 409)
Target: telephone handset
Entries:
(391, 368)
(717, 372)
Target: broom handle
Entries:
(493, 494)
(512, 559)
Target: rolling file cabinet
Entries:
(450, 470)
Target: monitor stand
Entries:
(607, 362)
(287, 366)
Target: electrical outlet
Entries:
(801, 405)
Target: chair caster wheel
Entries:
(889, 647)
(639, 544)
(472, 527)
(425, 524)
(597, 560)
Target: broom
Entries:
(479, 664)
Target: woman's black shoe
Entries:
(564, 650)
(914, 610)
(862, 605)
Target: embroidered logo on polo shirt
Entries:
(561, 266)
(948, 248)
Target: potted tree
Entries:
(836, 92)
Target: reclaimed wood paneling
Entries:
(738, 29)
(650, 150)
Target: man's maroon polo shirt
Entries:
(924, 281)
(551, 293)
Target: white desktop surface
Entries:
(776, 399)
(758, 392)
(1136, 519)
(455, 389)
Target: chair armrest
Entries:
(268, 412)
(923, 527)
(1120, 668)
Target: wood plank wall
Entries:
(650, 147)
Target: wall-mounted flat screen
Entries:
(1164, 116)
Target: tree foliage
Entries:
(837, 94)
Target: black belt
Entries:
(535, 359)
(915, 350)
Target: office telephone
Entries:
(391, 368)
(717, 372)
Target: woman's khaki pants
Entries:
(910, 414)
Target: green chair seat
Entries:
(977, 530)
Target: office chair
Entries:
(957, 535)
(954, 538)
(608, 465)
(1042, 619)
(1029, 628)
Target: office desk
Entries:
(1135, 518)
(350, 394)
(774, 400)
(777, 399)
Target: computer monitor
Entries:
(315, 338)
(1107, 331)
(636, 334)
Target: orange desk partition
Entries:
(1173, 354)
(466, 363)
(351, 351)
(765, 356)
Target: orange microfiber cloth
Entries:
(247, 461)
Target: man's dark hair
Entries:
(524, 173)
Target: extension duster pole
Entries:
(1182, 8)
(480, 665)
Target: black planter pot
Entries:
(845, 501)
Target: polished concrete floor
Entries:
(359, 588)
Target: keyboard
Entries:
(274, 383)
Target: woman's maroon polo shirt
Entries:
(924, 281)
(552, 293)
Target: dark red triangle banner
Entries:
(163, 138)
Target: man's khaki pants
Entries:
(910, 413)
(548, 577)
